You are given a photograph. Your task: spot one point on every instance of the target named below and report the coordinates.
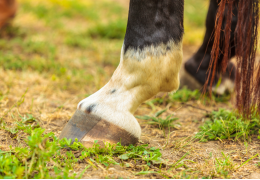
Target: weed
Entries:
(154, 101)
(185, 95)
(97, 155)
(156, 120)
(224, 124)
(42, 153)
(224, 165)
(34, 161)
(157, 100)
(149, 155)
(27, 124)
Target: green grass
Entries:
(185, 95)
(224, 165)
(224, 124)
(59, 10)
(78, 41)
(111, 30)
(195, 12)
(31, 161)
(26, 51)
(43, 155)
(97, 36)
(158, 121)
(66, 10)
(194, 21)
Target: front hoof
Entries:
(87, 128)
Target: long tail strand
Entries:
(248, 72)
(216, 46)
(246, 34)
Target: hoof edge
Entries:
(87, 128)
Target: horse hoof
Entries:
(187, 80)
(88, 128)
(227, 84)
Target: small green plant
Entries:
(149, 155)
(185, 94)
(27, 124)
(152, 103)
(224, 165)
(36, 160)
(43, 155)
(160, 122)
(224, 124)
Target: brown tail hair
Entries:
(248, 71)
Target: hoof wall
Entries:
(87, 128)
(187, 80)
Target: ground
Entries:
(58, 52)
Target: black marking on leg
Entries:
(113, 91)
(90, 108)
(153, 22)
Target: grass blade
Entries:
(247, 161)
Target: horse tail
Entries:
(248, 70)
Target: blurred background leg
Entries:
(198, 64)
(8, 10)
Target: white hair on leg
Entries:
(141, 74)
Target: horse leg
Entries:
(7, 11)
(197, 66)
(151, 58)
